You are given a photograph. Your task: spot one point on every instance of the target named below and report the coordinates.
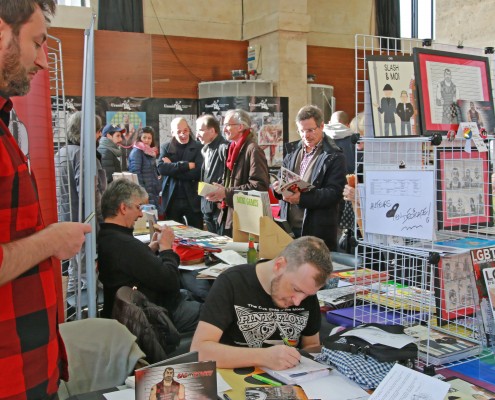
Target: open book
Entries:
(289, 182)
(306, 370)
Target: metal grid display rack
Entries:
(418, 281)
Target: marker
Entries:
(226, 396)
(266, 380)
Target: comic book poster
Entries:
(191, 381)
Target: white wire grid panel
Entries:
(408, 286)
(59, 125)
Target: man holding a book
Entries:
(257, 314)
(319, 161)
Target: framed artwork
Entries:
(442, 80)
(393, 96)
(463, 189)
(454, 287)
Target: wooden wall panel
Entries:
(180, 63)
(72, 57)
(142, 65)
(335, 66)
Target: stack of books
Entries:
(437, 348)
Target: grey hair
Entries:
(309, 250)
(308, 112)
(74, 128)
(118, 192)
(239, 116)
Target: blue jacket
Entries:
(144, 166)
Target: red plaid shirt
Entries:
(31, 350)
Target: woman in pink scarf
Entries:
(142, 162)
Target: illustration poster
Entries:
(393, 96)
(400, 203)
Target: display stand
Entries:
(419, 280)
(272, 239)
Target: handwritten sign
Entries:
(400, 203)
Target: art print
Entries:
(445, 78)
(393, 96)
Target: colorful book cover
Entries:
(460, 389)
(195, 380)
(484, 259)
(467, 243)
(438, 347)
(286, 392)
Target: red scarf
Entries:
(235, 148)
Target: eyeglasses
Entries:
(138, 206)
(306, 131)
(183, 132)
(229, 125)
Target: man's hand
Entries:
(217, 195)
(281, 357)
(67, 237)
(166, 238)
(275, 186)
(293, 198)
(166, 160)
(192, 165)
(154, 244)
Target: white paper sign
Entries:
(406, 384)
(400, 203)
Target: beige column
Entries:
(280, 28)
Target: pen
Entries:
(226, 396)
(89, 217)
(266, 380)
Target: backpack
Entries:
(155, 332)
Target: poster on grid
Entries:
(400, 203)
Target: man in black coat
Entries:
(214, 155)
(125, 261)
(319, 161)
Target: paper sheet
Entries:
(406, 384)
(126, 394)
(231, 257)
(333, 387)
(222, 385)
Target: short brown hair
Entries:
(309, 250)
(16, 13)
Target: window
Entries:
(417, 19)
(78, 3)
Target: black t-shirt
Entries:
(239, 306)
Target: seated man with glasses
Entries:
(180, 164)
(126, 261)
(318, 160)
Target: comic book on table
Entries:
(285, 392)
(289, 182)
(181, 377)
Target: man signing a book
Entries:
(257, 314)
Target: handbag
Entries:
(380, 352)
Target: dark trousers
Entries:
(179, 208)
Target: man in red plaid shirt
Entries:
(32, 355)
